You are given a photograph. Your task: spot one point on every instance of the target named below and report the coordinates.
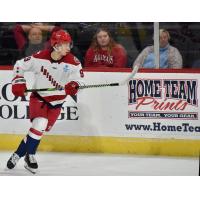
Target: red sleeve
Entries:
(120, 57)
(88, 61)
(19, 37)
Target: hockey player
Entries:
(52, 68)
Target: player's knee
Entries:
(40, 124)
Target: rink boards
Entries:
(155, 113)
(140, 146)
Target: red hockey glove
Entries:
(71, 88)
(18, 86)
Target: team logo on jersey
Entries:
(66, 68)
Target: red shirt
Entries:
(102, 58)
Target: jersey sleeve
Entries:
(77, 75)
(23, 65)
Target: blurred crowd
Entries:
(110, 44)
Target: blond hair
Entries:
(165, 31)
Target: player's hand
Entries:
(19, 86)
(71, 88)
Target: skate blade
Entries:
(33, 171)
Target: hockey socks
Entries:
(21, 150)
(33, 140)
(30, 143)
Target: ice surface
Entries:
(84, 164)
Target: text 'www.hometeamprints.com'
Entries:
(157, 126)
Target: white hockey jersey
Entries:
(49, 74)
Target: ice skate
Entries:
(31, 163)
(12, 161)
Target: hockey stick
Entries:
(135, 70)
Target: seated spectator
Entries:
(170, 57)
(35, 41)
(30, 39)
(105, 52)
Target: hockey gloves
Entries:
(19, 86)
(71, 88)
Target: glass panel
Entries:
(185, 36)
(133, 36)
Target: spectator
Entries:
(30, 38)
(105, 52)
(170, 57)
(35, 40)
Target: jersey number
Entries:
(81, 73)
(27, 58)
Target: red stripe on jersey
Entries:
(36, 132)
(54, 98)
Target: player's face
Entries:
(103, 38)
(164, 40)
(64, 48)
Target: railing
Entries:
(108, 69)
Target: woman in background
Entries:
(105, 52)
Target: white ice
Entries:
(85, 164)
